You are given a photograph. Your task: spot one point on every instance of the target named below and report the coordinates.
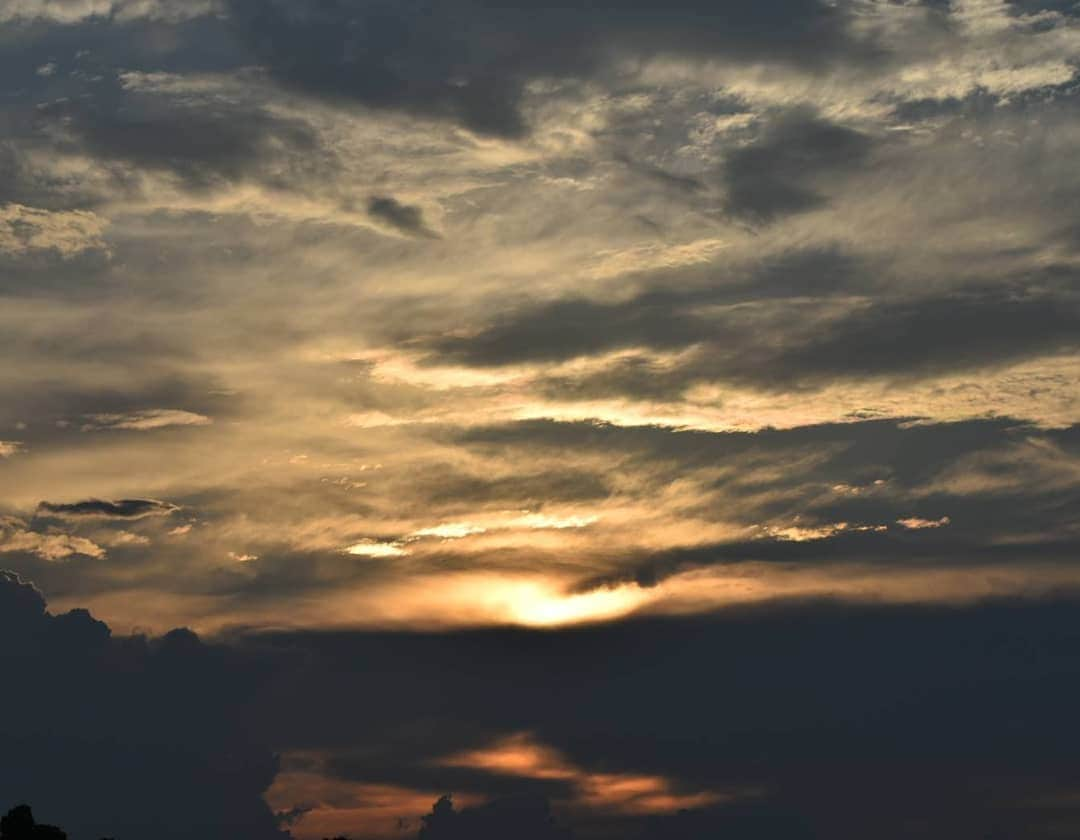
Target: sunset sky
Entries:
(670, 410)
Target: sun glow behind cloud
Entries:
(640, 319)
(471, 599)
(538, 605)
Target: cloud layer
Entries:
(407, 321)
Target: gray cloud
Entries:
(778, 343)
(201, 140)
(777, 174)
(469, 60)
(404, 218)
(101, 508)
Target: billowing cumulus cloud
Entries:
(93, 717)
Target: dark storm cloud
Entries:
(101, 508)
(775, 175)
(470, 59)
(126, 737)
(852, 721)
(404, 218)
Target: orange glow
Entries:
(621, 793)
(383, 811)
(339, 807)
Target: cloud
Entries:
(374, 548)
(915, 522)
(146, 420)
(103, 509)
(10, 447)
(521, 521)
(778, 343)
(776, 175)
(730, 303)
(76, 11)
(403, 218)
(921, 711)
(894, 703)
(51, 546)
(204, 137)
(470, 61)
(961, 331)
(67, 233)
(137, 728)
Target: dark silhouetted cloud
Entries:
(798, 704)
(114, 736)
(949, 719)
(120, 509)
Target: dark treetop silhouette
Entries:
(19, 824)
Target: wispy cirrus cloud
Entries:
(145, 420)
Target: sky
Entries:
(641, 419)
